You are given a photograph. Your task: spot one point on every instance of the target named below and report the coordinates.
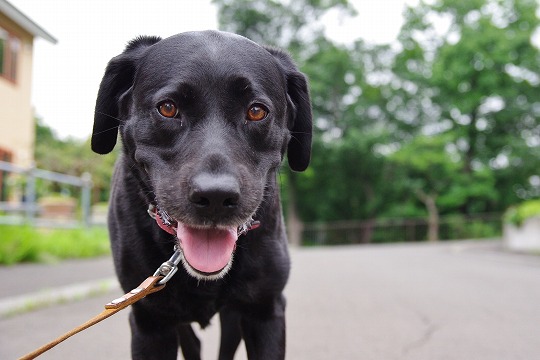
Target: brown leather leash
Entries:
(152, 284)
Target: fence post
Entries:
(85, 197)
(30, 195)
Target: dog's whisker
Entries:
(108, 115)
(104, 131)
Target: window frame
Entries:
(11, 50)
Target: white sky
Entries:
(90, 32)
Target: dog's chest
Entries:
(192, 301)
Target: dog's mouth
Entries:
(207, 251)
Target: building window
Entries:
(10, 47)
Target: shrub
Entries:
(28, 244)
(518, 214)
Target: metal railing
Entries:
(26, 210)
(401, 230)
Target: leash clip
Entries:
(169, 267)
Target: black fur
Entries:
(208, 166)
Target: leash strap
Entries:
(152, 284)
(148, 286)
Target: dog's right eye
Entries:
(167, 109)
(256, 112)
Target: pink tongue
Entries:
(207, 250)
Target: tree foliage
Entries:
(278, 23)
(444, 121)
(345, 174)
(73, 157)
(448, 115)
(475, 81)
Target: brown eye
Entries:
(256, 112)
(168, 109)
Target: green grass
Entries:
(27, 244)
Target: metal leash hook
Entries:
(169, 267)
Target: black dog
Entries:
(205, 120)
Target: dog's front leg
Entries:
(263, 329)
(149, 341)
(231, 333)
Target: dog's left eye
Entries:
(167, 109)
(256, 112)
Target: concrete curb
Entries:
(12, 306)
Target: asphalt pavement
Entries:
(453, 300)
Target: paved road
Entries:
(466, 300)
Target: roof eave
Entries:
(24, 21)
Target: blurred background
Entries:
(426, 129)
(426, 116)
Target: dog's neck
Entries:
(269, 212)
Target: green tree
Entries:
(287, 24)
(433, 175)
(296, 26)
(446, 122)
(476, 81)
(73, 157)
(346, 177)
(349, 125)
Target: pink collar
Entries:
(168, 224)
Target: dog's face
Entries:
(205, 118)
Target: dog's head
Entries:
(205, 119)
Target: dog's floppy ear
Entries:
(300, 124)
(117, 80)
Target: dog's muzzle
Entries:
(207, 252)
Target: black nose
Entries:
(214, 195)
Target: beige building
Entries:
(17, 132)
